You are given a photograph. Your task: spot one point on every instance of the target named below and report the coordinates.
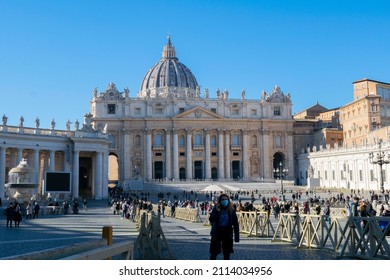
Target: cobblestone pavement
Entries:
(187, 240)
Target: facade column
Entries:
(75, 181)
(168, 164)
(208, 156)
(266, 158)
(148, 165)
(227, 155)
(221, 169)
(175, 154)
(189, 155)
(2, 172)
(97, 191)
(290, 152)
(19, 156)
(52, 164)
(105, 175)
(127, 168)
(36, 165)
(245, 162)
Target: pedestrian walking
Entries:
(17, 215)
(9, 212)
(224, 224)
(36, 210)
(29, 211)
(85, 204)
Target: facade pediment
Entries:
(198, 113)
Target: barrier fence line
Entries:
(353, 237)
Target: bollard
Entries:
(107, 234)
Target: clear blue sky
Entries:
(54, 53)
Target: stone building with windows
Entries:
(172, 131)
(81, 152)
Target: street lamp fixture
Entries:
(280, 172)
(379, 158)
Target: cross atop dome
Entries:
(169, 51)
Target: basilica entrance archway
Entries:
(158, 170)
(198, 169)
(214, 173)
(236, 169)
(85, 177)
(182, 173)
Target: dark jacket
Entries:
(232, 224)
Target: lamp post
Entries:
(280, 172)
(379, 158)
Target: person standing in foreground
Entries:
(223, 221)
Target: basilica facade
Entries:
(172, 130)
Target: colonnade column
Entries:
(189, 155)
(36, 165)
(52, 164)
(221, 169)
(2, 172)
(175, 154)
(97, 192)
(148, 165)
(227, 154)
(208, 159)
(105, 175)
(19, 156)
(245, 162)
(127, 168)
(75, 181)
(168, 165)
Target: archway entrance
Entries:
(113, 170)
(182, 173)
(278, 158)
(236, 169)
(214, 173)
(158, 170)
(198, 170)
(85, 177)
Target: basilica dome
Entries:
(168, 77)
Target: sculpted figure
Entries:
(37, 122)
(206, 93)
(21, 121)
(5, 119)
(76, 125)
(243, 94)
(53, 124)
(68, 125)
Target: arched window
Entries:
(182, 141)
(213, 140)
(198, 139)
(158, 139)
(235, 140)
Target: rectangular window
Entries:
(213, 154)
(181, 110)
(182, 154)
(214, 110)
(235, 154)
(111, 109)
(361, 175)
(372, 175)
(333, 175)
(326, 174)
(137, 111)
(276, 111)
(254, 112)
(350, 175)
(158, 154)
